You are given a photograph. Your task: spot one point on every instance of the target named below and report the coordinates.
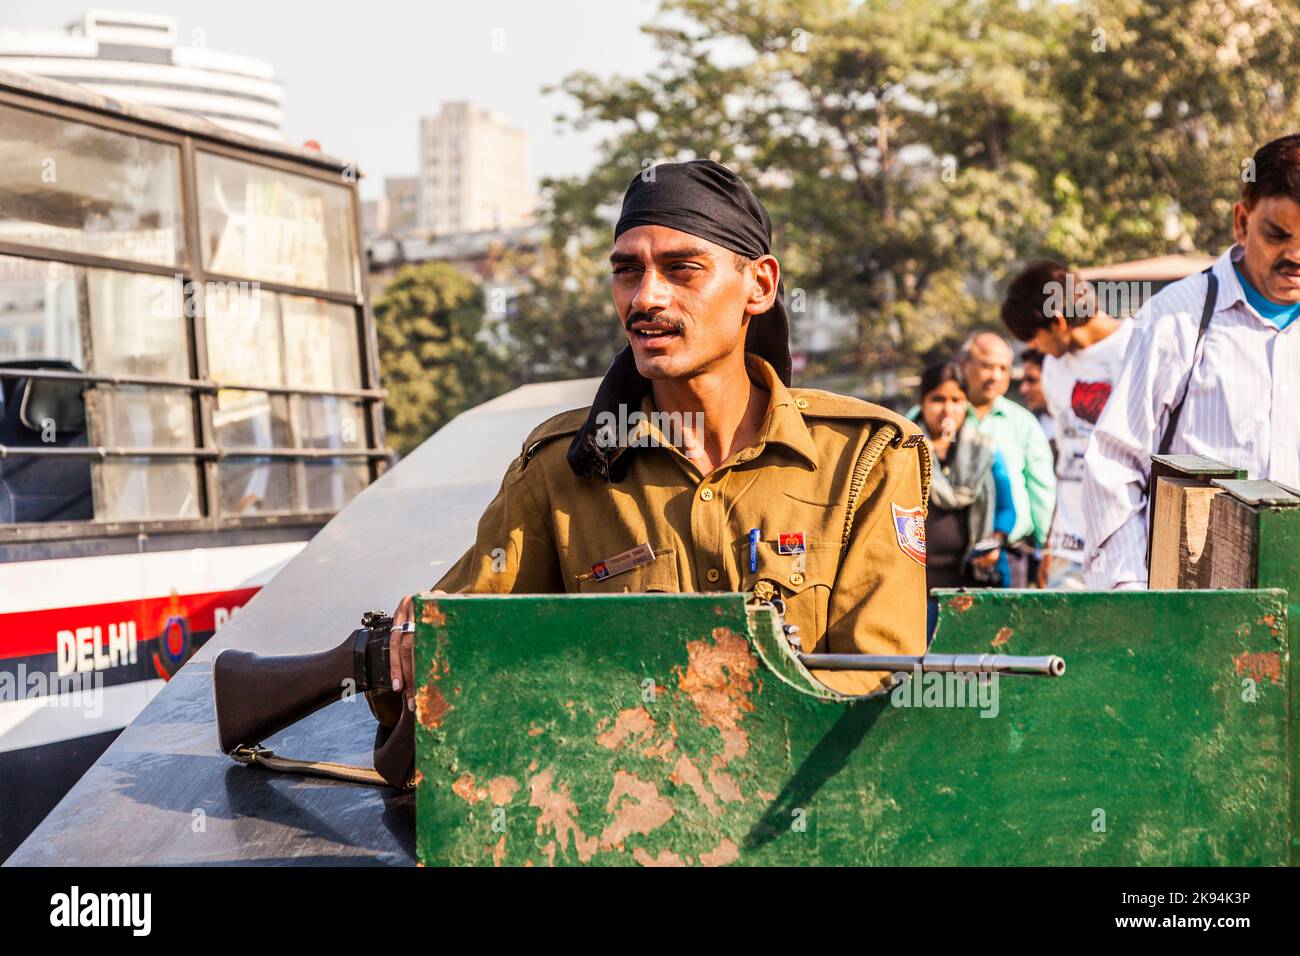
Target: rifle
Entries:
(257, 697)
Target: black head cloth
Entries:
(704, 199)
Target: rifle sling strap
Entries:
(262, 757)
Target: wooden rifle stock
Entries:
(258, 696)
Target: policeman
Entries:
(698, 468)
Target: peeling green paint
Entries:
(551, 746)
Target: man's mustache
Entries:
(1286, 265)
(674, 324)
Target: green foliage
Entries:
(1163, 102)
(564, 325)
(914, 152)
(434, 363)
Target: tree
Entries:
(914, 152)
(563, 325)
(1163, 102)
(887, 138)
(434, 363)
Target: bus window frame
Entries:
(200, 386)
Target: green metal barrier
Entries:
(677, 729)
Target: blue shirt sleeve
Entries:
(1004, 508)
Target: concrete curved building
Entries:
(141, 57)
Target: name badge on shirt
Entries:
(624, 561)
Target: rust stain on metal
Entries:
(418, 778)
(465, 789)
(1258, 666)
(665, 858)
(1269, 621)
(722, 783)
(536, 729)
(431, 615)
(718, 679)
(632, 722)
(724, 853)
(649, 811)
(430, 705)
(549, 851)
(961, 603)
(1003, 635)
(501, 790)
(559, 812)
(636, 727)
(499, 852)
(685, 772)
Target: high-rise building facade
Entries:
(473, 171)
(141, 57)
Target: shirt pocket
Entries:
(803, 582)
(659, 575)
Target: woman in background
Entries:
(971, 511)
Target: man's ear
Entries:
(766, 274)
(1240, 217)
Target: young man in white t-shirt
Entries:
(1057, 313)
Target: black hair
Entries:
(938, 373)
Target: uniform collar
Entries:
(783, 423)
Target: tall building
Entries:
(140, 57)
(402, 194)
(473, 171)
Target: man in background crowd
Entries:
(1031, 390)
(1214, 369)
(986, 367)
(1058, 315)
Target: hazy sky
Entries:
(357, 76)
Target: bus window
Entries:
(136, 327)
(328, 421)
(138, 488)
(253, 485)
(137, 324)
(332, 483)
(274, 226)
(321, 344)
(279, 341)
(81, 188)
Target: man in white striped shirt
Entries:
(1219, 378)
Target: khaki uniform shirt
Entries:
(547, 528)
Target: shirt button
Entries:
(801, 403)
(797, 578)
(713, 575)
(706, 494)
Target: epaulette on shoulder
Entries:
(819, 404)
(557, 426)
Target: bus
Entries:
(189, 390)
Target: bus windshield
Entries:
(184, 335)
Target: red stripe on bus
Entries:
(27, 633)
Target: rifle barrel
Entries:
(1049, 666)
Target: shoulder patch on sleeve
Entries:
(557, 426)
